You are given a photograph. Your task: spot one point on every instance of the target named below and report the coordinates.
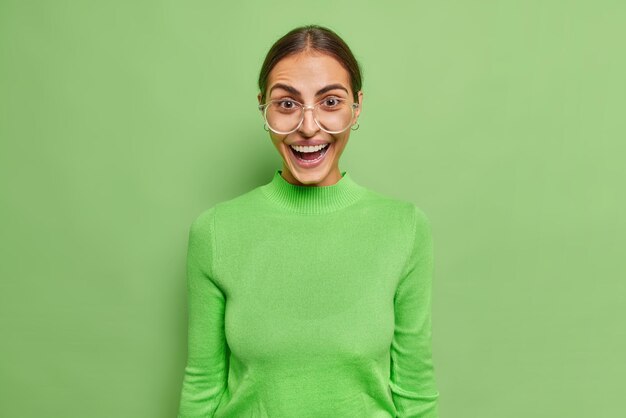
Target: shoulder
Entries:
(203, 223)
(406, 211)
(230, 208)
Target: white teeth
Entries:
(308, 148)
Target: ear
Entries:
(357, 111)
(259, 97)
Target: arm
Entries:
(412, 379)
(206, 371)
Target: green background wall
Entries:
(120, 121)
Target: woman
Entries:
(310, 296)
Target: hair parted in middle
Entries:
(312, 38)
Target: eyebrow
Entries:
(294, 91)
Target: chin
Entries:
(308, 177)
(311, 178)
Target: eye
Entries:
(287, 104)
(331, 102)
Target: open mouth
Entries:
(309, 155)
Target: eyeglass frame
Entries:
(263, 109)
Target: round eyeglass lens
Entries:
(334, 114)
(283, 115)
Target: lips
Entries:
(307, 149)
(309, 163)
(310, 142)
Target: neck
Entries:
(333, 177)
(312, 199)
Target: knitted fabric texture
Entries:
(309, 302)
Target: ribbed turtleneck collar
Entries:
(312, 199)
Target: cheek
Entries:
(341, 142)
(280, 146)
(338, 150)
(277, 141)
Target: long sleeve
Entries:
(206, 370)
(412, 379)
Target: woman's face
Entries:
(299, 77)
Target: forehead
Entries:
(309, 72)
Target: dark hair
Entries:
(312, 38)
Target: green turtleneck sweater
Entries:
(309, 301)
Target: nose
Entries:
(309, 126)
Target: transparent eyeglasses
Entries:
(332, 114)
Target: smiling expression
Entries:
(309, 77)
